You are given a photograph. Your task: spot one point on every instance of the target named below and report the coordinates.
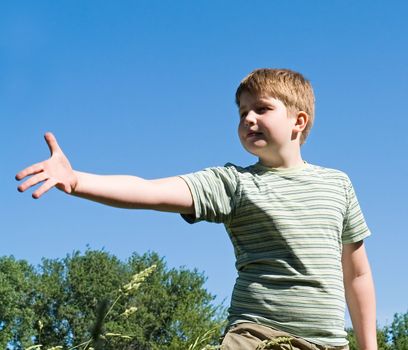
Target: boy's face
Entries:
(265, 126)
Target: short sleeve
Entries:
(354, 226)
(213, 191)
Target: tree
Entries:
(17, 279)
(68, 292)
(399, 331)
(62, 296)
(187, 313)
(382, 339)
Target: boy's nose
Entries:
(250, 119)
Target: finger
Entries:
(32, 181)
(31, 170)
(44, 188)
(52, 142)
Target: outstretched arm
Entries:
(360, 294)
(168, 194)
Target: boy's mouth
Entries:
(253, 134)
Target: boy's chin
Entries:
(255, 153)
(256, 149)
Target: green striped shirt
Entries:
(287, 228)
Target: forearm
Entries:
(124, 191)
(360, 297)
(115, 190)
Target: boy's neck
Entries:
(284, 161)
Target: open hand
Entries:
(53, 172)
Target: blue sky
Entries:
(147, 88)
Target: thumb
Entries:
(52, 142)
(67, 188)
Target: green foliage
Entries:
(382, 339)
(399, 331)
(351, 337)
(17, 279)
(173, 308)
(96, 299)
(394, 337)
(57, 304)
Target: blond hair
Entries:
(292, 88)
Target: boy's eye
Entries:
(261, 110)
(243, 115)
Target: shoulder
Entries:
(329, 174)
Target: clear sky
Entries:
(147, 88)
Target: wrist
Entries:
(75, 182)
(369, 345)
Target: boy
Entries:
(297, 229)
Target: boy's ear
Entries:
(302, 118)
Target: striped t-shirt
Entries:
(287, 228)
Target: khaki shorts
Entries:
(252, 336)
